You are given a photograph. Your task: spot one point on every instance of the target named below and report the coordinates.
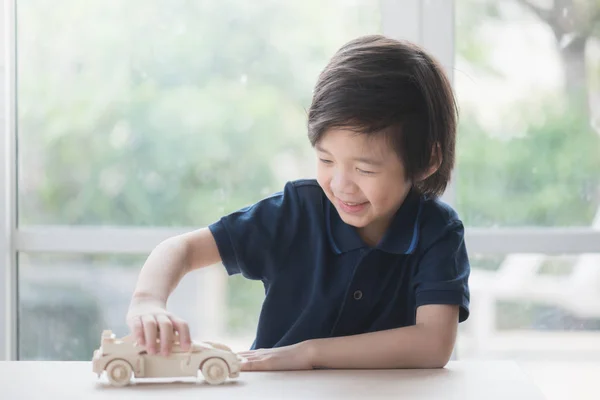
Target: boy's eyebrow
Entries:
(365, 160)
(322, 150)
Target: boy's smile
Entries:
(352, 207)
(364, 179)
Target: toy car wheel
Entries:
(118, 372)
(215, 371)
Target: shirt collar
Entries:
(400, 238)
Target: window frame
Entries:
(8, 174)
(429, 23)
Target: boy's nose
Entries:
(341, 183)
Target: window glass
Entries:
(67, 300)
(527, 76)
(163, 113)
(541, 311)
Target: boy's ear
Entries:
(434, 162)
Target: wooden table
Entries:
(460, 380)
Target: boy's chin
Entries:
(356, 221)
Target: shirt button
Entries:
(357, 295)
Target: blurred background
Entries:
(169, 114)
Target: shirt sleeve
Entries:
(253, 241)
(443, 272)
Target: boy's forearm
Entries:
(163, 270)
(409, 347)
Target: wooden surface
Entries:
(459, 380)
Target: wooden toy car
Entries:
(123, 358)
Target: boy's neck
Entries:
(373, 234)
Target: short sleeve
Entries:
(253, 241)
(443, 272)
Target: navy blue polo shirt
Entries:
(321, 280)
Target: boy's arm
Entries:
(161, 273)
(172, 259)
(428, 344)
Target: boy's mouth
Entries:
(351, 207)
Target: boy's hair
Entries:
(377, 85)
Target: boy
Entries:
(363, 267)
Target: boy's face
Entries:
(364, 179)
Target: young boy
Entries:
(363, 267)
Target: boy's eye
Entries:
(362, 171)
(325, 161)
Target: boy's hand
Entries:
(295, 357)
(148, 320)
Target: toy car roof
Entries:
(108, 335)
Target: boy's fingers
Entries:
(251, 358)
(184, 332)
(261, 364)
(166, 333)
(150, 328)
(137, 329)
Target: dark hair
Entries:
(377, 85)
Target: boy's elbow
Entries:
(439, 352)
(435, 360)
(438, 361)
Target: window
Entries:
(67, 300)
(147, 119)
(529, 147)
(133, 113)
(528, 165)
